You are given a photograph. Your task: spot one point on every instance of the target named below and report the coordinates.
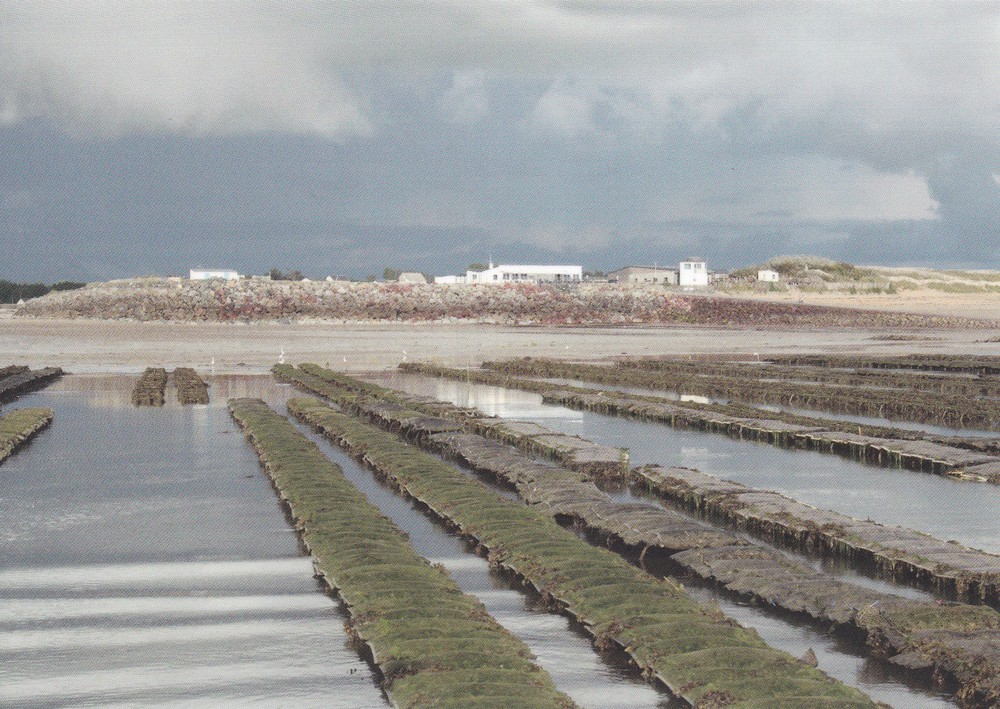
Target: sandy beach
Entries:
(118, 346)
(924, 301)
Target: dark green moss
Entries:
(702, 651)
(434, 644)
(19, 426)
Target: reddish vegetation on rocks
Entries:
(514, 304)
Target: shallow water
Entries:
(669, 394)
(144, 559)
(215, 604)
(563, 650)
(837, 657)
(885, 422)
(164, 571)
(813, 413)
(942, 507)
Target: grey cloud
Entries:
(881, 69)
(597, 130)
(466, 100)
(110, 68)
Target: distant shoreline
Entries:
(585, 304)
(96, 346)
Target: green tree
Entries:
(13, 292)
(476, 267)
(390, 274)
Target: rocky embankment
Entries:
(523, 304)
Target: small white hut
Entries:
(693, 272)
(207, 274)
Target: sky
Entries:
(340, 138)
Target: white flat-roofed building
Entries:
(768, 276)
(205, 274)
(693, 272)
(520, 273)
(449, 280)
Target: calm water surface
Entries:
(144, 560)
(838, 658)
(815, 413)
(939, 506)
(562, 649)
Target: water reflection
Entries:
(144, 560)
(668, 394)
(884, 422)
(837, 657)
(672, 395)
(944, 508)
(564, 652)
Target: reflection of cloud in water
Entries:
(100, 637)
(114, 391)
(168, 573)
(497, 402)
(147, 682)
(696, 398)
(47, 609)
(703, 454)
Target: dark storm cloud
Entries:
(343, 137)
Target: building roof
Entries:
(656, 269)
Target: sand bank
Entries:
(122, 346)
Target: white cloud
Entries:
(566, 110)
(858, 192)
(885, 69)
(799, 188)
(466, 100)
(108, 68)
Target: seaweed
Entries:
(434, 645)
(21, 380)
(20, 426)
(627, 609)
(964, 639)
(148, 390)
(191, 389)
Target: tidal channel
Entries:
(144, 559)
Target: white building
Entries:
(449, 280)
(411, 277)
(693, 272)
(517, 273)
(768, 276)
(204, 274)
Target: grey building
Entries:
(644, 274)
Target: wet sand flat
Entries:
(122, 346)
